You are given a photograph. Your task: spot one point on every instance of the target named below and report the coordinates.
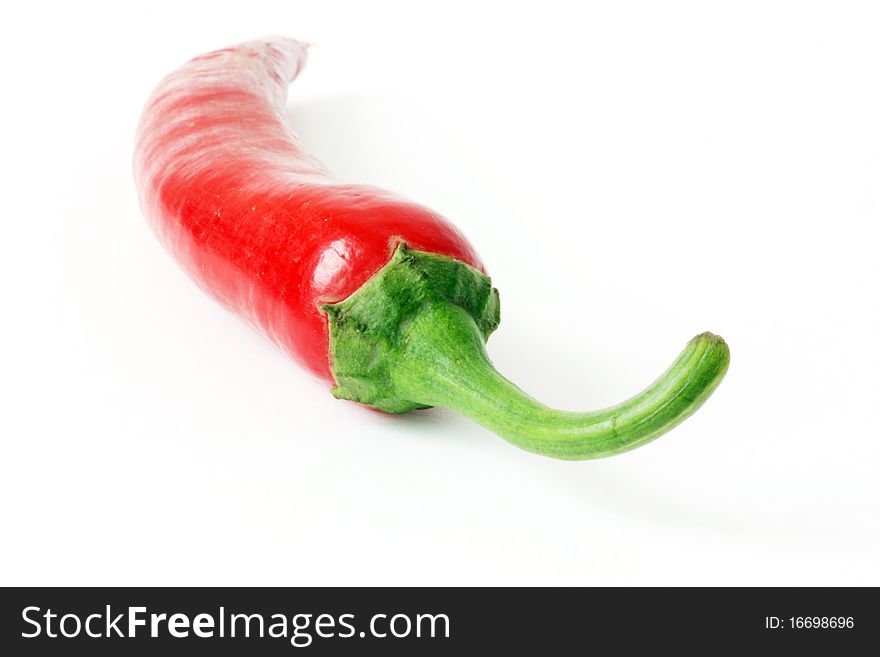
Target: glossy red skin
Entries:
(260, 225)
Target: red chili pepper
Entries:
(380, 296)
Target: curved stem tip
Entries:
(443, 363)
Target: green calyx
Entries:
(413, 336)
(368, 329)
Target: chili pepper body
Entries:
(260, 224)
(379, 296)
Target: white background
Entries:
(632, 174)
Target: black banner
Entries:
(278, 621)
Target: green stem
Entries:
(443, 363)
(413, 336)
